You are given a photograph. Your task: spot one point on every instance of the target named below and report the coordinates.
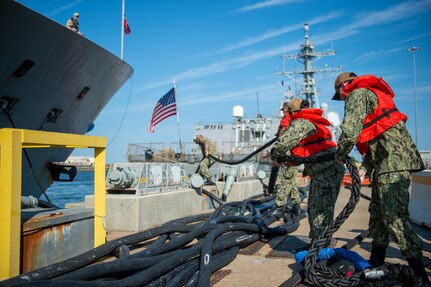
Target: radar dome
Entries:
(334, 118)
(288, 95)
(238, 111)
(324, 107)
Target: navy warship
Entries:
(52, 79)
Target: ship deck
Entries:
(271, 262)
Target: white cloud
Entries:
(415, 37)
(200, 98)
(266, 4)
(271, 34)
(227, 97)
(369, 56)
(222, 66)
(63, 8)
(422, 93)
(391, 14)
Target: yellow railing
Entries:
(12, 141)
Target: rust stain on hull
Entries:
(36, 243)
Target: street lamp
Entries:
(413, 51)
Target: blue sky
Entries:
(222, 53)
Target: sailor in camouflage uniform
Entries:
(286, 180)
(73, 24)
(308, 135)
(208, 148)
(286, 187)
(374, 124)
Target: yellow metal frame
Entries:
(12, 141)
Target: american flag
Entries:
(164, 108)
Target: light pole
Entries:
(413, 51)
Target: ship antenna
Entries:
(257, 102)
(306, 56)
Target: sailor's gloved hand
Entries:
(276, 164)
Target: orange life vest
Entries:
(320, 140)
(284, 123)
(385, 114)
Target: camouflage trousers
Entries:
(389, 215)
(324, 190)
(204, 167)
(286, 186)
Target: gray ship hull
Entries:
(51, 79)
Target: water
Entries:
(61, 192)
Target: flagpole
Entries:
(178, 117)
(122, 28)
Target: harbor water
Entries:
(62, 192)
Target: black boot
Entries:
(378, 254)
(209, 182)
(421, 276)
(278, 212)
(296, 210)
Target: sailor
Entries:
(286, 180)
(308, 135)
(208, 148)
(374, 124)
(73, 24)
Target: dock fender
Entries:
(90, 127)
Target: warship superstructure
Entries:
(159, 163)
(241, 135)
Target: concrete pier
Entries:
(134, 213)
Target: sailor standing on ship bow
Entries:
(73, 24)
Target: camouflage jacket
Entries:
(393, 150)
(212, 149)
(289, 139)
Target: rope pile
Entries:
(183, 252)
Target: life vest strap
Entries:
(318, 141)
(386, 113)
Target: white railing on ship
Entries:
(189, 151)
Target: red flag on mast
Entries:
(127, 29)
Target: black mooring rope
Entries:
(314, 158)
(247, 157)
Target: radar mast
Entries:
(307, 56)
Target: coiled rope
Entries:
(181, 252)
